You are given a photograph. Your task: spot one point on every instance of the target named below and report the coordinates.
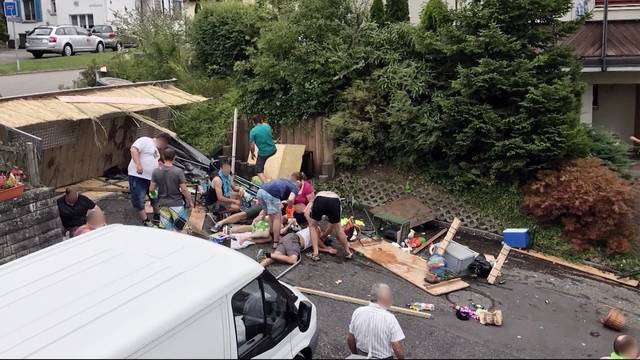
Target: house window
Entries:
(595, 100)
(54, 9)
(82, 20)
(29, 10)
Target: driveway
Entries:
(549, 311)
(22, 84)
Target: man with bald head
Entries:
(95, 220)
(625, 347)
(374, 331)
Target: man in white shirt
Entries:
(374, 331)
(145, 157)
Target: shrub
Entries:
(434, 15)
(397, 11)
(377, 12)
(613, 152)
(221, 33)
(594, 205)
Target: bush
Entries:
(221, 33)
(397, 11)
(377, 12)
(613, 152)
(594, 205)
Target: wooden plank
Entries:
(497, 268)
(447, 239)
(196, 218)
(446, 287)
(109, 100)
(408, 208)
(428, 242)
(583, 268)
(409, 267)
(356, 301)
(98, 188)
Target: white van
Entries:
(136, 292)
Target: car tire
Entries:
(37, 55)
(303, 355)
(118, 47)
(100, 47)
(67, 50)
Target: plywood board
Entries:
(287, 159)
(408, 208)
(97, 189)
(409, 267)
(583, 268)
(109, 100)
(196, 218)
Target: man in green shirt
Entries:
(262, 136)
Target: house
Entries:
(85, 13)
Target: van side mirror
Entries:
(304, 315)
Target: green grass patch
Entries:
(79, 61)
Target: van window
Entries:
(261, 317)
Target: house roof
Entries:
(623, 39)
(87, 103)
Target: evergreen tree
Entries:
(397, 11)
(434, 15)
(377, 12)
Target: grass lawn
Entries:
(79, 61)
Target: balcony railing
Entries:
(600, 3)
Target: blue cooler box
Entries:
(516, 238)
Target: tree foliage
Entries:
(397, 11)
(594, 205)
(221, 33)
(434, 15)
(377, 12)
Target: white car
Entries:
(136, 292)
(64, 39)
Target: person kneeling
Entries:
(290, 247)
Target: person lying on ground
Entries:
(95, 220)
(256, 233)
(270, 197)
(262, 137)
(374, 331)
(73, 208)
(303, 197)
(145, 157)
(625, 347)
(290, 248)
(328, 204)
(247, 214)
(171, 185)
(228, 195)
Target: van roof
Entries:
(108, 292)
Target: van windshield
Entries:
(41, 31)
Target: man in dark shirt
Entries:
(73, 209)
(171, 185)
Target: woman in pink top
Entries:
(304, 196)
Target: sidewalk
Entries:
(22, 84)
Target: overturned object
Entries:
(614, 320)
(490, 317)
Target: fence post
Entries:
(32, 164)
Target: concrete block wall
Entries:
(29, 223)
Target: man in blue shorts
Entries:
(270, 198)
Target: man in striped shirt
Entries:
(374, 331)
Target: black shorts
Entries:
(325, 206)
(261, 161)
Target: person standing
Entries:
(326, 203)
(145, 157)
(270, 197)
(374, 331)
(173, 194)
(262, 136)
(73, 208)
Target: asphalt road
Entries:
(22, 84)
(549, 312)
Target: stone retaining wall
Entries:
(371, 192)
(28, 224)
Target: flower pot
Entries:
(12, 193)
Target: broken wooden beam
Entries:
(428, 242)
(453, 229)
(356, 301)
(99, 189)
(497, 268)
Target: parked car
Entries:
(133, 292)
(64, 39)
(108, 34)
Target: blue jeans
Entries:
(139, 189)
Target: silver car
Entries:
(64, 39)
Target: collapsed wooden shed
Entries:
(81, 133)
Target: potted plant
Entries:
(11, 184)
